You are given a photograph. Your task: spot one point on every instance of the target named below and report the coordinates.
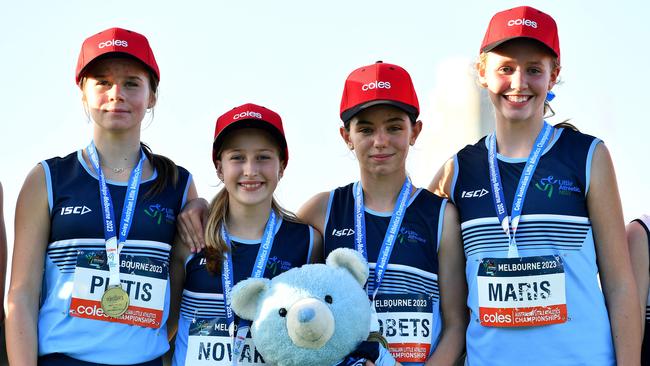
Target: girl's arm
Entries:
(606, 215)
(180, 252)
(32, 228)
(453, 292)
(637, 240)
(3, 258)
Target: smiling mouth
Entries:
(518, 98)
(250, 186)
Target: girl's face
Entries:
(117, 94)
(380, 137)
(517, 75)
(250, 166)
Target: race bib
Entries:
(143, 278)
(210, 343)
(521, 292)
(406, 321)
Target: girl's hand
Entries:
(191, 224)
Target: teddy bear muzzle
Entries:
(310, 323)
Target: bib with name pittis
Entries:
(406, 321)
(521, 292)
(143, 278)
(213, 341)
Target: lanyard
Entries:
(257, 272)
(391, 233)
(112, 251)
(524, 181)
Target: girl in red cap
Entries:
(94, 229)
(541, 218)
(246, 230)
(410, 237)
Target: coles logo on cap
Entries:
(526, 22)
(522, 21)
(376, 85)
(113, 42)
(120, 41)
(379, 83)
(249, 115)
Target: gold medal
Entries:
(115, 301)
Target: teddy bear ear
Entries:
(350, 260)
(246, 295)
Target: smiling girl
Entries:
(550, 232)
(247, 234)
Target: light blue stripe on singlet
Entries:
(311, 244)
(549, 146)
(258, 240)
(454, 179)
(441, 219)
(327, 215)
(48, 184)
(187, 188)
(590, 157)
(111, 182)
(390, 213)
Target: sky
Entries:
(293, 57)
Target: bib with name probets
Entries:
(521, 292)
(143, 278)
(406, 321)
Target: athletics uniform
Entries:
(203, 337)
(543, 306)
(407, 304)
(645, 349)
(71, 321)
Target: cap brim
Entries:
(498, 43)
(114, 54)
(248, 123)
(409, 109)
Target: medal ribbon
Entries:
(133, 186)
(524, 181)
(391, 233)
(257, 272)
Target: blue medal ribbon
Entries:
(227, 281)
(391, 233)
(112, 247)
(522, 187)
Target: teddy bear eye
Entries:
(282, 312)
(328, 299)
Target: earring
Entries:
(350, 146)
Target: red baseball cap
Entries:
(379, 83)
(523, 21)
(116, 40)
(249, 115)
